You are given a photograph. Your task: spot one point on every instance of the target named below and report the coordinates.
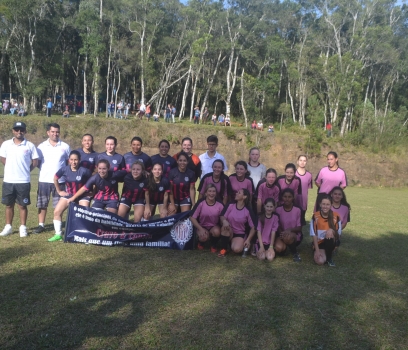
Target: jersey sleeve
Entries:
(201, 188)
(226, 210)
(90, 183)
(196, 211)
(60, 173)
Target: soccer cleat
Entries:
(222, 253)
(39, 229)
(296, 257)
(6, 231)
(330, 263)
(213, 250)
(23, 231)
(200, 246)
(55, 238)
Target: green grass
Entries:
(73, 296)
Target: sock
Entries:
(57, 226)
(329, 246)
(41, 224)
(224, 242)
(214, 241)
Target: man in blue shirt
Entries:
(49, 107)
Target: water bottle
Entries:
(245, 252)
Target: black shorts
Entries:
(183, 202)
(128, 202)
(16, 193)
(112, 204)
(257, 247)
(239, 235)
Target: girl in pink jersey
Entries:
(267, 189)
(290, 180)
(290, 227)
(268, 225)
(330, 177)
(340, 205)
(237, 219)
(307, 182)
(220, 181)
(205, 217)
(240, 179)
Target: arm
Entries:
(147, 212)
(163, 210)
(247, 243)
(171, 208)
(261, 245)
(57, 187)
(259, 205)
(3, 160)
(192, 194)
(79, 193)
(34, 164)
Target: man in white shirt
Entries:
(19, 157)
(54, 154)
(207, 158)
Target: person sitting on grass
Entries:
(235, 219)
(205, 217)
(268, 224)
(158, 192)
(253, 125)
(259, 126)
(133, 193)
(227, 120)
(325, 228)
(65, 114)
(75, 178)
(290, 228)
(221, 119)
(105, 183)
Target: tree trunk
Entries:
(242, 98)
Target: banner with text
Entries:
(91, 226)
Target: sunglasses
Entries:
(19, 129)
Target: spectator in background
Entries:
(259, 126)
(205, 116)
(148, 111)
(197, 114)
(156, 117)
(221, 119)
(328, 129)
(270, 128)
(49, 107)
(214, 119)
(173, 112)
(253, 125)
(168, 113)
(227, 120)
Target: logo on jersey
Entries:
(25, 200)
(91, 159)
(78, 178)
(186, 178)
(113, 181)
(167, 162)
(161, 188)
(141, 184)
(182, 232)
(114, 161)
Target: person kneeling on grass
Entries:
(105, 183)
(325, 228)
(75, 178)
(290, 225)
(235, 218)
(268, 224)
(205, 217)
(133, 193)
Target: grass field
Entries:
(73, 296)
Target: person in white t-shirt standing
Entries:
(54, 154)
(19, 157)
(207, 159)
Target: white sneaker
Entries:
(23, 231)
(6, 231)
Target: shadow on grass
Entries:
(139, 298)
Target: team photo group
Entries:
(254, 210)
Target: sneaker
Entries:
(222, 253)
(213, 250)
(6, 231)
(39, 229)
(200, 246)
(23, 231)
(55, 238)
(296, 257)
(330, 263)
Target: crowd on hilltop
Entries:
(253, 209)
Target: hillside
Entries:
(277, 150)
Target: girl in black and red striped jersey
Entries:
(133, 193)
(205, 217)
(240, 179)
(158, 192)
(290, 180)
(88, 154)
(290, 226)
(219, 180)
(182, 182)
(105, 182)
(237, 219)
(75, 177)
(163, 158)
(194, 162)
(136, 154)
